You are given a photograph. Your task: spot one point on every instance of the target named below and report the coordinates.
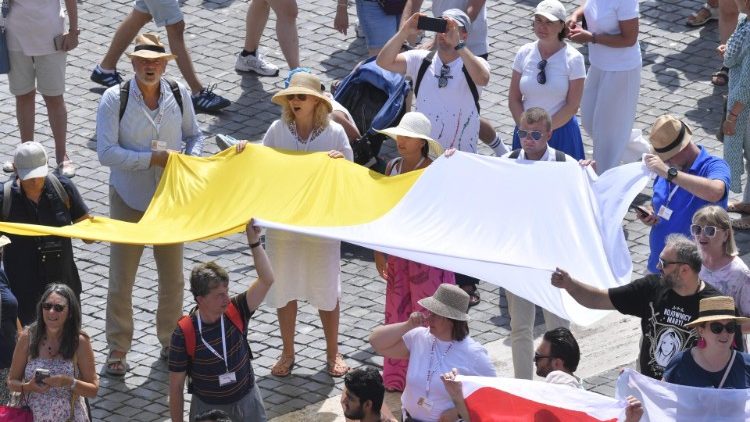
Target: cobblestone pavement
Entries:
(678, 62)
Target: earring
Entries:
(734, 343)
(701, 343)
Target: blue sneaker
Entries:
(208, 102)
(106, 79)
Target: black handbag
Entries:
(392, 7)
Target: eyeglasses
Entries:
(541, 77)
(301, 97)
(445, 72)
(56, 306)
(717, 327)
(708, 231)
(535, 134)
(537, 356)
(662, 263)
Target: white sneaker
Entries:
(255, 64)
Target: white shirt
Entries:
(732, 280)
(548, 155)
(564, 378)
(451, 109)
(468, 356)
(477, 40)
(33, 24)
(562, 67)
(603, 17)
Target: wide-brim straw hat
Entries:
(148, 46)
(669, 135)
(302, 83)
(717, 308)
(415, 125)
(449, 301)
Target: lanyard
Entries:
(159, 117)
(401, 162)
(223, 341)
(432, 369)
(671, 194)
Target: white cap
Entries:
(30, 160)
(552, 10)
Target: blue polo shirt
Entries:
(683, 203)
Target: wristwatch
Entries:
(671, 173)
(460, 45)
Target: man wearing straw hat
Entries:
(135, 143)
(688, 178)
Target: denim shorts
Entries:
(376, 25)
(164, 12)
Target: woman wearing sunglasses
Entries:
(53, 363)
(713, 362)
(548, 73)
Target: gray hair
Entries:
(686, 250)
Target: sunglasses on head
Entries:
(708, 231)
(56, 306)
(717, 327)
(301, 97)
(541, 77)
(535, 134)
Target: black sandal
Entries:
(720, 77)
(474, 298)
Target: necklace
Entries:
(46, 343)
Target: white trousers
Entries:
(608, 111)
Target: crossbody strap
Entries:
(729, 368)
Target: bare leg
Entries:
(286, 30)
(330, 322)
(486, 131)
(728, 14)
(177, 46)
(255, 23)
(58, 122)
(287, 321)
(26, 114)
(124, 35)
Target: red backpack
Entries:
(188, 329)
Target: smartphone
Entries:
(58, 41)
(641, 211)
(40, 375)
(427, 23)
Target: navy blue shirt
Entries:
(683, 370)
(683, 203)
(7, 322)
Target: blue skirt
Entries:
(566, 138)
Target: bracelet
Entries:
(255, 245)
(593, 38)
(73, 384)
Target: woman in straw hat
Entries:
(434, 343)
(308, 268)
(713, 362)
(407, 281)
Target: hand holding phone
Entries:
(58, 42)
(427, 23)
(40, 374)
(643, 212)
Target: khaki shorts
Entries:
(45, 73)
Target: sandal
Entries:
(283, 366)
(337, 367)
(116, 366)
(739, 207)
(720, 77)
(702, 16)
(741, 223)
(474, 298)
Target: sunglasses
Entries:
(535, 134)
(537, 356)
(541, 77)
(56, 306)
(717, 327)
(301, 97)
(663, 263)
(445, 72)
(708, 231)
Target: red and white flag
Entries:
(507, 399)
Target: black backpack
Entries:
(559, 155)
(125, 95)
(423, 69)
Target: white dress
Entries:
(305, 267)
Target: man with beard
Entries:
(362, 398)
(664, 302)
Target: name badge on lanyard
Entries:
(228, 377)
(664, 211)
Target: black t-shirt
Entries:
(8, 314)
(663, 315)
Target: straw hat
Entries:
(302, 83)
(148, 46)
(717, 308)
(449, 301)
(30, 160)
(415, 125)
(669, 135)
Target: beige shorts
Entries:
(45, 73)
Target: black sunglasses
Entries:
(541, 77)
(662, 263)
(537, 356)
(445, 72)
(56, 306)
(535, 134)
(717, 327)
(301, 97)
(708, 231)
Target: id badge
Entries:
(665, 213)
(157, 145)
(424, 404)
(226, 379)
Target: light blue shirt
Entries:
(125, 145)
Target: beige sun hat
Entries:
(415, 125)
(669, 135)
(302, 83)
(449, 301)
(30, 160)
(717, 308)
(148, 46)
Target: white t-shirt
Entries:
(562, 67)
(548, 155)
(732, 280)
(33, 25)
(477, 40)
(451, 109)
(468, 356)
(564, 378)
(603, 17)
